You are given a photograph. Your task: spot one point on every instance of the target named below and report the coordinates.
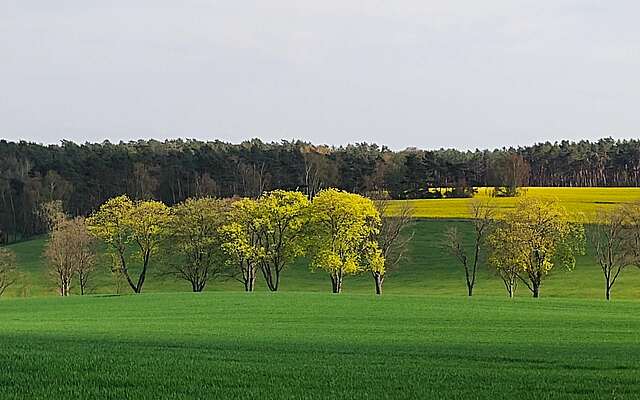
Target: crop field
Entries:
(317, 345)
(582, 202)
(424, 338)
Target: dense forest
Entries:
(84, 176)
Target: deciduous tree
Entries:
(392, 238)
(281, 218)
(542, 237)
(8, 274)
(122, 224)
(613, 239)
(345, 229)
(70, 253)
(241, 243)
(482, 217)
(194, 235)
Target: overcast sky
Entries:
(403, 73)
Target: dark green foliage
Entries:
(84, 176)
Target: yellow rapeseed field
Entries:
(581, 202)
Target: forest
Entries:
(83, 176)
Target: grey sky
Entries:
(403, 73)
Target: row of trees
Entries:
(200, 239)
(341, 233)
(539, 236)
(84, 176)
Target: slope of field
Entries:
(317, 345)
(427, 269)
(582, 202)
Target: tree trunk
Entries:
(272, 283)
(250, 282)
(336, 283)
(276, 284)
(379, 280)
(535, 286)
(143, 274)
(125, 272)
(608, 291)
(197, 286)
(469, 289)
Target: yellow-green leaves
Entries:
(281, 218)
(121, 223)
(344, 227)
(109, 223)
(535, 237)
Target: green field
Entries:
(424, 338)
(582, 202)
(318, 345)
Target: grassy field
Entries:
(423, 339)
(582, 202)
(317, 345)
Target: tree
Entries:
(506, 256)
(8, 273)
(512, 172)
(70, 252)
(612, 238)
(345, 228)
(122, 223)
(280, 222)
(241, 243)
(52, 213)
(482, 216)
(84, 248)
(193, 233)
(392, 238)
(541, 237)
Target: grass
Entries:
(423, 339)
(317, 345)
(582, 202)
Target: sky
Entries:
(403, 73)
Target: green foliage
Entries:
(241, 241)
(346, 225)
(280, 222)
(194, 235)
(82, 177)
(121, 223)
(534, 238)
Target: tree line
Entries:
(526, 244)
(201, 239)
(84, 176)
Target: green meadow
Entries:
(316, 346)
(424, 338)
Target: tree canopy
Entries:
(345, 225)
(534, 238)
